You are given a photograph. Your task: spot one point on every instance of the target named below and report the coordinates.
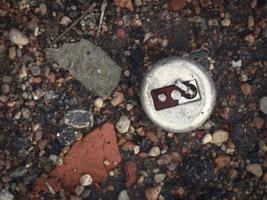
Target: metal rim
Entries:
(207, 106)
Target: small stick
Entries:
(103, 8)
(90, 9)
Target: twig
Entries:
(103, 8)
(90, 9)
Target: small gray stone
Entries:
(123, 195)
(19, 172)
(263, 105)
(89, 64)
(66, 137)
(123, 124)
(6, 195)
(35, 70)
(79, 118)
(138, 3)
(49, 95)
(26, 113)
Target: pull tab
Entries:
(180, 93)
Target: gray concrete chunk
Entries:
(89, 64)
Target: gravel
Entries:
(154, 151)
(220, 136)
(255, 169)
(123, 124)
(79, 118)
(17, 37)
(123, 195)
(263, 105)
(6, 195)
(86, 180)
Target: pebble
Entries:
(250, 22)
(258, 122)
(12, 53)
(255, 169)
(19, 172)
(219, 137)
(123, 195)
(164, 160)
(152, 193)
(138, 3)
(263, 105)
(86, 180)
(117, 99)
(79, 189)
(154, 151)
(222, 161)
(5, 88)
(17, 37)
(65, 20)
(79, 118)
(25, 112)
(54, 158)
(164, 43)
(246, 89)
(250, 38)
(159, 178)
(99, 103)
(226, 22)
(206, 139)
(253, 3)
(6, 195)
(123, 124)
(264, 178)
(237, 63)
(35, 70)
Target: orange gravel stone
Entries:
(85, 157)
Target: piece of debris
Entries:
(79, 118)
(89, 64)
(83, 158)
(175, 5)
(123, 124)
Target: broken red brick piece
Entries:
(130, 171)
(175, 5)
(85, 157)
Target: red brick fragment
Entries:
(130, 171)
(175, 5)
(85, 157)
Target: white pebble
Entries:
(123, 124)
(99, 103)
(237, 63)
(86, 180)
(17, 37)
(154, 151)
(206, 139)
